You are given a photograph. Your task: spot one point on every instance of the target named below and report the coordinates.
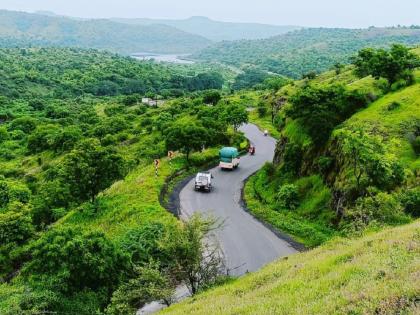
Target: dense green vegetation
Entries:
(38, 73)
(216, 30)
(347, 157)
(300, 52)
(18, 29)
(375, 274)
(339, 186)
(80, 216)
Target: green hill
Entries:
(18, 29)
(302, 51)
(375, 274)
(362, 263)
(216, 30)
(80, 204)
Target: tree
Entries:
(249, 78)
(235, 115)
(74, 261)
(394, 64)
(368, 161)
(197, 260)
(91, 168)
(10, 192)
(212, 97)
(25, 124)
(149, 284)
(15, 227)
(186, 136)
(338, 67)
(321, 109)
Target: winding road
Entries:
(246, 243)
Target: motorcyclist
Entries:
(266, 132)
(251, 150)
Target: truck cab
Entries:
(229, 158)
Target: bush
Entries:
(212, 97)
(416, 145)
(4, 135)
(393, 106)
(10, 192)
(321, 109)
(410, 200)
(324, 164)
(24, 124)
(150, 284)
(15, 227)
(293, 156)
(74, 261)
(288, 197)
(262, 110)
(379, 208)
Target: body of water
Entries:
(162, 58)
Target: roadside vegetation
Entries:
(375, 274)
(347, 158)
(82, 229)
(344, 182)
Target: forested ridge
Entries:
(308, 50)
(20, 29)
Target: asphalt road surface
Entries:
(246, 243)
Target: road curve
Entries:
(246, 243)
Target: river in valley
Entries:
(170, 58)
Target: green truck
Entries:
(229, 158)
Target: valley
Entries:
(251, 168)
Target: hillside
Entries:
(18, 29)
(216, 30)
(375, 274)
(79, 197)
(302, 51)
(342, 195)
(322, 179)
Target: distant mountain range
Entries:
(28, 29)
(215, 30)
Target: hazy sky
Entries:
(340, 13)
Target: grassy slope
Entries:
(376, 274)
(310, 222)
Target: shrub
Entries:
(24, 124)
(393, 106)
(293, 156)
(321, 109)
(378, 208)
(324, 164)
(212, 97)
(288, 197)
(4, 135)
(410, 200)
(15, 227)
(76, 261)
(416, 145)
(262, 110)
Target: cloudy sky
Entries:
(329, 13)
